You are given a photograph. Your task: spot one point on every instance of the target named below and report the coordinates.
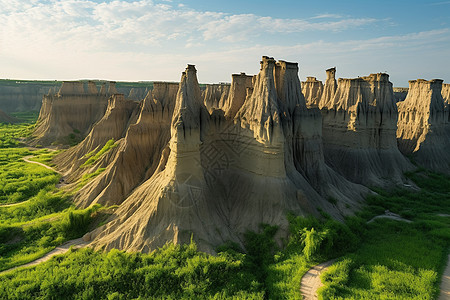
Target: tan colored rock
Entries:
(240, 89)
(329, 88)
(92, 88)
(71, 88)
(72, 111)
(359, 131)
(214, 95)
(312, 90)
(422, 130)
(217, 177)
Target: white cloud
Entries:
(147, 40)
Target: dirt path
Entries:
(445, 282)
(389, 215)
(77, 243)
(14, 204)
(27, 159)
(311, 280)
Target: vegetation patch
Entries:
(20, 180)
(397, 260)
(93, 158)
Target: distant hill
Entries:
(5, 118)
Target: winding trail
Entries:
(445, 282)
(77, 243)
(311, 282)
(27, 159)
(14, 204)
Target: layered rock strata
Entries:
(71, 112)
(329, 88)
(422, 126)
(214, 95)
(312, 90)
(359, 131)
(217, 176)
(241, 88)
(18, 96)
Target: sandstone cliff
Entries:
(400, 93)
(214, 95)
(141, 134)
(17, 96)
(312, 90)
(359, 131)
(214, 176)
(422, 125)
(329, 88)
(69, 115)
(241, 88)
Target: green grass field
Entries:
(398, 260)
(43, 216)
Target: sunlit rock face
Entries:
(215, 95)
(359, 131)
(423, 124)
(212, 174)
(312, 90)
(71, 111)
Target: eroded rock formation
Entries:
(70, 113)
(329, 88)
(359, 131)
(400, 93)
(422, 125)
(215, 175)
(17, 96)
(214, 95)
(212, 166)
(312, 90)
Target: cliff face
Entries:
(241, 88)
(400, 94)
(142, 132)
(329, 89)
(312, 90)
(359, 131)
(214, 176)
(70, 112)
(422, 125)
(214, 95)
(23, 96)
(446, 96)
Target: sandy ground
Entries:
(445, 282)
(311, 280)
(77, 243)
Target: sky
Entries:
(147, 40)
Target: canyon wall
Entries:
(359, 131)
(423, 125)
(220, 173)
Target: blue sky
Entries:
(154, 40)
